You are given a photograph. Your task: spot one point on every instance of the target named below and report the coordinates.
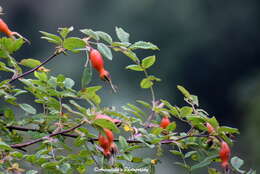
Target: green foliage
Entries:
(122, 35)
(105, 50)
(31, 63)
(73, 44)
(143, 45)
(86, 77)
(59, 113)
(52, 38)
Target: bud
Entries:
(210, 128)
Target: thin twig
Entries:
(64, 133)
(46, 137)
(56, 53)
(22, 128)
(151, 88)
(37, 130)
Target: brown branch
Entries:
(22, 128)
(36, 130)
(56, 53)
(19, 146)
(163, 141)
(64, 133)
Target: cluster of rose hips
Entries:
(106, 138)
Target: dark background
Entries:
(210, 47)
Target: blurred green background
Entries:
(210, 47)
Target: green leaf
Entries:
(4, 146)
(86, 77)
(137, 160)
(51, 37)
(69, 83)
(60, 78)
(28, 108)
(166, 103)
(117, 114)
(131, 55)
(177, 153)
(31, 172)
(204, 162)
(196, 119)
(214, 122)
(9, 46)
(186, 111)
(135, 113)
(135, 67)
(17, 44)
(153, 78)
(228, 130)
(80, 108)
(16, 154)
(65, 168)
(104, 123)
(90, 94)
(65, 31)
(9, 114)
(148, 62)
(213, 171)
(146, 83)
(171, 127)
(68, 108)
(122, 35)
(195, 100)
(184, 92)
(143, 45)
(73, 44)
(136, 109)
(128, 156)
(121, 44)
(105, 50)
(90, 33)
(40, 75)
(237, 163)
(145, 104)
(31, 63)
(36, 135)
(106, 37)
(189, 154)
(3, 67)
(156, 130)
(50, 164)
(123, 143)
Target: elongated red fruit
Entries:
(165, 122)
(5, 29)
(224, 154)
(107, 143)
(109, 135)
(98, 63)
(96, 59)
(104, 143)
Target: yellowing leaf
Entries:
(43, 69)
